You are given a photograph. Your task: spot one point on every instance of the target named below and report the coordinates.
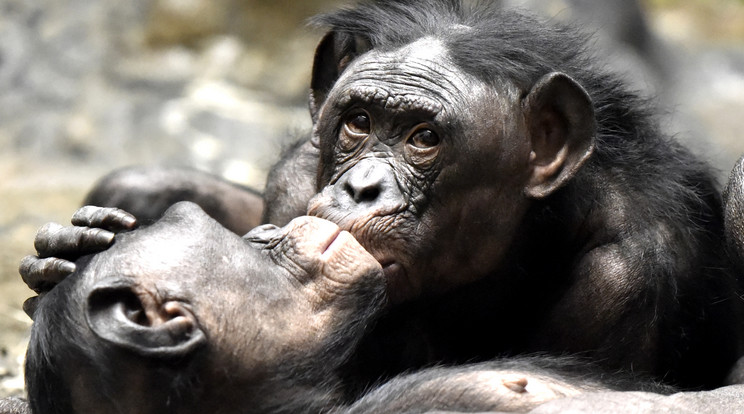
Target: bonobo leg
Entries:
(147, 192)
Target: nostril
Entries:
(368, 194)
(364, 194)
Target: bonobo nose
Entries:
(370, 184)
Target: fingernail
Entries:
(104, 237)
(128, 221)
(67, 267)
(262, 233)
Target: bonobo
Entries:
(519, 197)
(185, 316)
(147, 327)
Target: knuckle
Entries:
(82, 236)
(83, 216)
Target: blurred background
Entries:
(88, 86)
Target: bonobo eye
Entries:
(357, 124)
(424, 138)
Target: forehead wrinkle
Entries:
(374, 94)
(416, 76)
(430, 75)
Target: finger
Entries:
(53, 239)
(109, 218)
(43, 274)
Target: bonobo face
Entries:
(415, 165)
(187, 287)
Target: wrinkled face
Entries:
(254, 303)
(414, 165)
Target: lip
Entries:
(332, 243)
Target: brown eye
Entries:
(424, 138)
(357, 124)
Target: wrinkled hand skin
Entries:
(57, 247)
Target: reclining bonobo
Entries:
(185, 316)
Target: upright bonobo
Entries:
(519, 198)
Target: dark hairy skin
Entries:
(519, 198)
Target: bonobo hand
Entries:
(59, 246)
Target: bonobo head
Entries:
(185, 316)
(438, 128)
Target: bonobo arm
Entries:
(655, 288)
(57, 247)
(147, 192)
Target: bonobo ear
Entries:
(138, 324)
(561, 127)
(334, 53)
